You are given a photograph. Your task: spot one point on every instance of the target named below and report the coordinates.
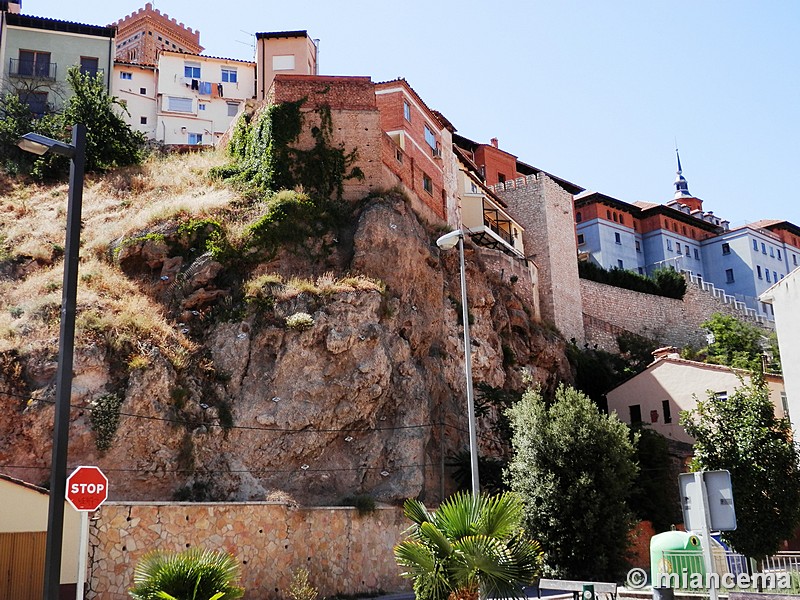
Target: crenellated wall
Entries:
(343, 552)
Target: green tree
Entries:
(470, 547)
(110, 141)
(194, 574)
(736, 343)
(654, 496)
(742, 435)
(17, 120)
(574, 467)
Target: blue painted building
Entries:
(643, 237)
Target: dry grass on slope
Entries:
(110, 306)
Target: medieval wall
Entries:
(545, 210)
(343, 552)
(609, 311)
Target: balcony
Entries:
(38, 69)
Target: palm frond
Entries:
(501, 516)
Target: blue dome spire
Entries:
(681, 186)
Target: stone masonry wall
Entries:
(609, 311)
(545, 210)
(343, 552)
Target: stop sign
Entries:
(87, 488)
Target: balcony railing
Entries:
(492, 220)
(32, 68)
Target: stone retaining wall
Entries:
(609, 311)
(343, 552)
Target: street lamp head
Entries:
(40, 144)
(449, 240)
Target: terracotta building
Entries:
(143, 34)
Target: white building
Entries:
(187, 99)
(784, 297)
(670, 384)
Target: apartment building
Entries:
(36, 54)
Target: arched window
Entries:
(578, 217)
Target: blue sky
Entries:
(594, 92)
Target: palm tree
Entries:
(194, 574)
(471, 546)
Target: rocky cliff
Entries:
(223, 400)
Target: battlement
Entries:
(513, 184)
(148, 11)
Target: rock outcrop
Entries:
(367, 399)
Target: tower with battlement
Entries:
(143, 34)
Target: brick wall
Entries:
(344, 552)
(355, 119)
(545, 210)
(609, 311)
(343, 93)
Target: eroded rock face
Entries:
(369, 399)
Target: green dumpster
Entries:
(678, 553)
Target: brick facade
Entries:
(355, 118)
(610, 311)
(544, 209)
(345, 553)
(142, 34)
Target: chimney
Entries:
(494, 142)
(666, 352)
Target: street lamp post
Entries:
(446, 242)
(38, 144)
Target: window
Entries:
(430, 138)
(89, 65)
(501, 178)
(192, 71)
(669, 245)
(667, 411)
(229, 75)
(763, 248)
(398, 154)
(201, 105)
(143, 120)
(635, 413)
(758, 272)
(686, 248)
(233, 109)
(768, 279)
(581, 239)
(721, 395)
(617, 239)
(794, 258)
(729, 276)
(578, 217)
(755, 245)
(638, 246)
(177, 104)
(195, 139)
(785, 405)
(283, 62)
(125, 75)
(406, 111)
(615, 217)
(34, 64)
(641, 271)
(779, 254)
(726, 248)
(774, 277)
(772, 252)
(678, 248)
(620, 265)
(36, 101)
(608, 214)
(696, 254)
(427, 184)
(143, 91)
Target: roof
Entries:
(645, 209)
(25, 484)
(248, 62)
(281, 34)
(522, 167)
(47, 24)
(124, 63)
